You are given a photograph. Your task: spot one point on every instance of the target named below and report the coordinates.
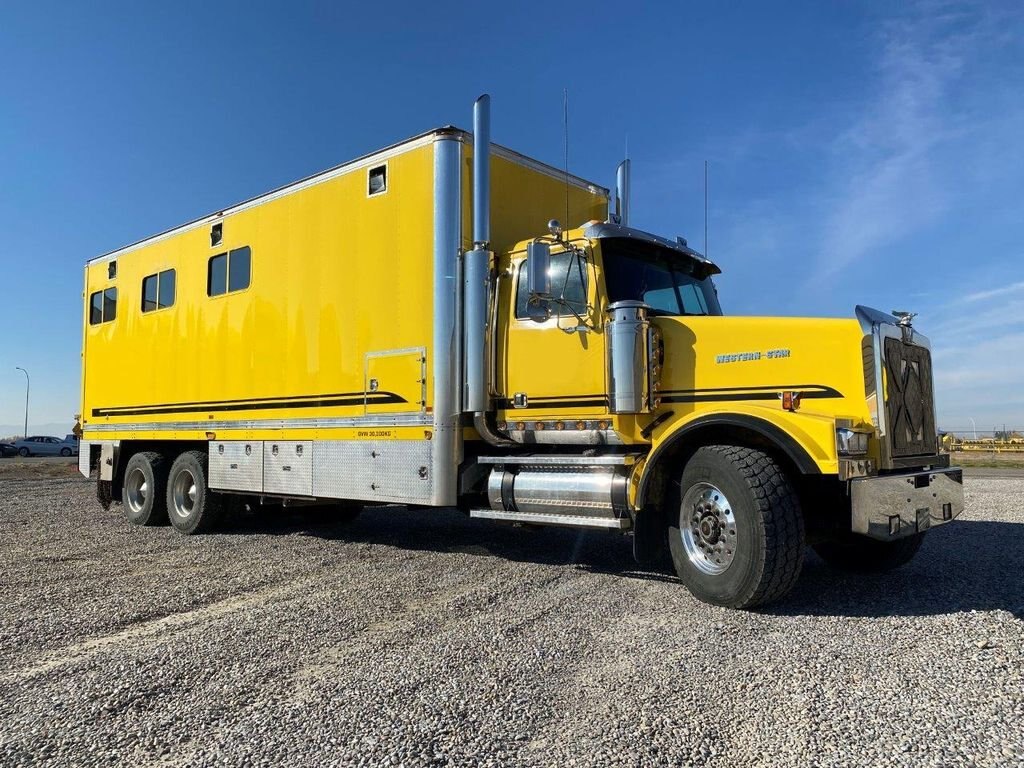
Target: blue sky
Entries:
(860, 153)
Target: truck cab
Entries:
(723, 443)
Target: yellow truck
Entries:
(414, 328)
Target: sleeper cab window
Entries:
(158, 290)
(102, 306)
(228, 272)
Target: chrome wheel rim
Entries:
(183, 493)
(708, 529)
(136, 490)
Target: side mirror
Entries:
(538, 267)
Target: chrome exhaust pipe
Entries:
(476, 275)
(477, 283)
(622, 193)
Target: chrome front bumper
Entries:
(893, 506)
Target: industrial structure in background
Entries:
(410, 328)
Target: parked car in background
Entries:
(7, 449)
(40, 445)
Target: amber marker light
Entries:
(790, 401)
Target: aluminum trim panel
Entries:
(233, 469)
(392, 471)
(446, 354)
(288, 467)
(377, 420)
(84, 455)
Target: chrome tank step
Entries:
(577, 491)
(546, 518)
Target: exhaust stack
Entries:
(622, 193)
(477, 266)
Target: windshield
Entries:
(658, 277)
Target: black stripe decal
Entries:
(260, 404)
(730, 394)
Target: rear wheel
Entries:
(192, 506)
(144, 491)
(853, 552)
(737, 539)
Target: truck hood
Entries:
(717, 362)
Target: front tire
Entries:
(736, 533)
(859, 554)
(144, 490)
(191, 505)
(65, 452)
(23, 452)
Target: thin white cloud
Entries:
(887, 182)
(992, 293)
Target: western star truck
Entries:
(413, 328)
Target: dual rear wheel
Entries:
(156, 491)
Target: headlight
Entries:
(850, 443)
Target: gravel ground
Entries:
(424, 638)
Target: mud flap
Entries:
(650, 538)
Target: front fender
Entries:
(808, 440)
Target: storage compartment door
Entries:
(396, 381)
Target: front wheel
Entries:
(738, 537)
(859, 554)
(65, 452)
(23, 452)
(192, 506)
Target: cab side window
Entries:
(568, 282)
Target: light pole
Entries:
(28, 383)
(975, 428)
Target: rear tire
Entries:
(736, 532)
(191, 505)
(859, 554)
(144, 490)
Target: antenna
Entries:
(706, 209)
(565, 136)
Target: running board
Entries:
(572, 521)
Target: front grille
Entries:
(909, 399)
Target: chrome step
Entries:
(545, 518)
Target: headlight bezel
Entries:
(851, 442)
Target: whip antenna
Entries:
(565, 148)
(706, 209)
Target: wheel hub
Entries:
(137, 490)
(183, 494)
(707, 527)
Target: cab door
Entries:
(551, 364)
